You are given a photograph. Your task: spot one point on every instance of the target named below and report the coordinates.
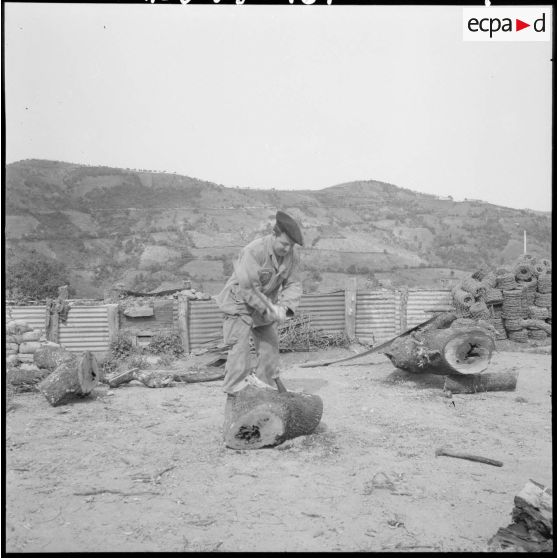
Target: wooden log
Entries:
(51, 356)
(199, 376)
(459, 383)
(76, 376)
(262, 417)
(122, 377)
(534, 507)
(443, 351)
(154, 378)
(532, 526)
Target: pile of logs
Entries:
(531, 529)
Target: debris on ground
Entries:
(532, 526)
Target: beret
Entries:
(289, 226)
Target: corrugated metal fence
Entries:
(87, 329)
(379, 316)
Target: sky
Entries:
(283, 96)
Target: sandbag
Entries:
(17, 327)
(33, 335)
(29, 347)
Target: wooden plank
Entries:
(113, 321)
(350, 307)
(183, 313)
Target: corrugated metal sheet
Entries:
(377, 315)
(205, 322)
(33, 315)
(326, 311)
(86, 329)
(420, 300)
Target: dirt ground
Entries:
(140, 469)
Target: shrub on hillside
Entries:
(35, 276)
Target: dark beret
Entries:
(289, 226)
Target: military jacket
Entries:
(275, 276)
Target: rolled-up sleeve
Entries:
(247, 267)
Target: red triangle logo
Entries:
(519, 25)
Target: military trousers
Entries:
(236, 332)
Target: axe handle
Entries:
(459, 455)
(245, 282)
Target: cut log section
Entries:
(76, 376)
(443, 351)
(260, 417)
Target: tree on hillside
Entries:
(35, 276)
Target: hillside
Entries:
(145, 228)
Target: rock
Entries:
(139, 312)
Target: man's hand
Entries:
(277, 313)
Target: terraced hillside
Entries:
(147, 228)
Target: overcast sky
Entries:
(286, 96)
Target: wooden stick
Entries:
(480, 459)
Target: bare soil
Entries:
(140, 469)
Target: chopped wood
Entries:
(532, 526)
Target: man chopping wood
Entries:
(260, 294)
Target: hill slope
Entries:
(147, 228)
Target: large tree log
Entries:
(461, 383)
(74, 376)
(261, 417)
(443, 351)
